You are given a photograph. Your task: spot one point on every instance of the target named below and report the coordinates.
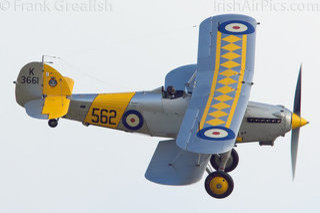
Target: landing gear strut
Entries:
(231, 163)
(53, 123)
(219, 184)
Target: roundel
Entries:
(216, 133)
(132, 120)
(236, 27)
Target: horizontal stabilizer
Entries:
(34, 109)
(171, 165)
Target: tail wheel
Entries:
(231, 164)
(53, 123)
(219, 185)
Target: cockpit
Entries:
(172, 93)
(179, 82)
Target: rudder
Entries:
(43, 91)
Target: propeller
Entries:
(297, 122)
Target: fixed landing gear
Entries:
(53, 123)
(231, 163)
(219, 184)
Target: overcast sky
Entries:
(120, 46)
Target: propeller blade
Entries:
(297, 96)
(297, 122)
(294, 149)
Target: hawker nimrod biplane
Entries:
(203, 107)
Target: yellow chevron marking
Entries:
(229, 73)
(243, 67)
(215, 76)
(220, 106)
(231, 47)
(231, 38)
(231, 55)
(223, 98)
(225, 89)
(230, 64)
(218, 114)
(215, 122)
(227, 81)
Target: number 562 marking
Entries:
(103, 116)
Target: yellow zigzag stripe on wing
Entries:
(238, 91)
(217, 104)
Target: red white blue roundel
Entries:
(132, 120)
(236, 27)
(216, 133)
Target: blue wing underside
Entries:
(222, 86)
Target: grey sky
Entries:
(130, 46)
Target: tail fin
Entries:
(43, 91)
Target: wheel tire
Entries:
(231, 164)
(219, 185)
(53, 123)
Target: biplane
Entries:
(204, 108)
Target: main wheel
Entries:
(219, 185)
(231, 164)
(53, 123)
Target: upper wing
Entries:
(222, 86)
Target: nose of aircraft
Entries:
(297, 121)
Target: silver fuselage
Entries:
(163, 116)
